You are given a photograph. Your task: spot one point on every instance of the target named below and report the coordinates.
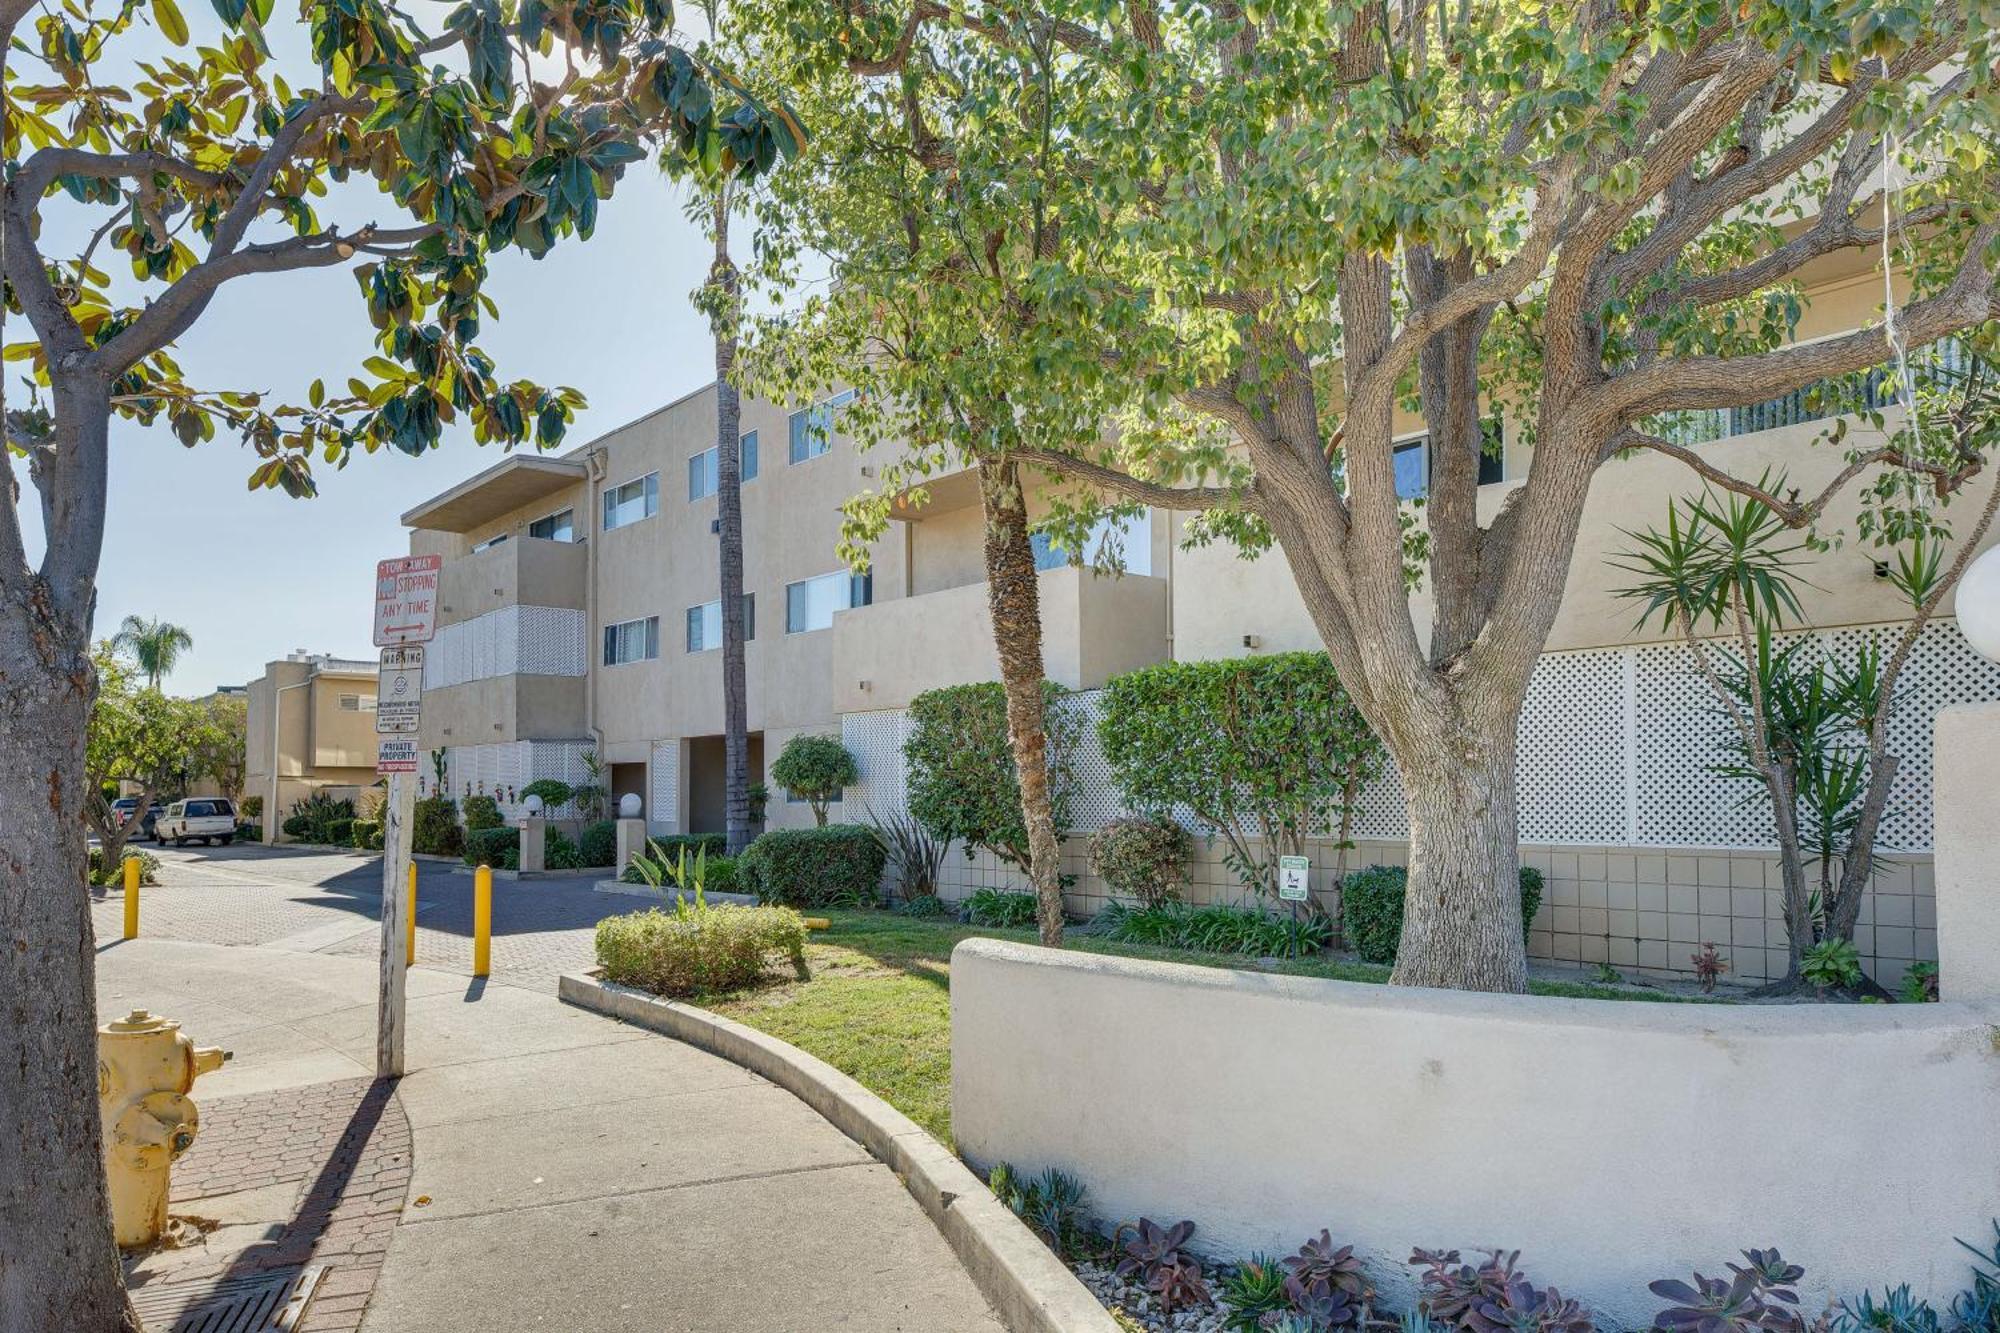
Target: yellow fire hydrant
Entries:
(145, 1068)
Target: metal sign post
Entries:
(405, 618)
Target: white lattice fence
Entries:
(663, 809)
(1617, 747)
(501, 769)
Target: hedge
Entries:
(367, 835)
(694, 950)
(1371, 908)
(435, 831)
(496, 847)
(960, 767)
(598, 843)
(839, 865)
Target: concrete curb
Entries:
(1032, 1290)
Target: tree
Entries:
(224, 754)
(1264, 751)
(925, 323)
(137, 736)
(206, 169)
(1273, 225)
(156, 644)
(1810, 727)
(815, 769)
(961, 777)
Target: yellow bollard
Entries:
(482, 921)
(410, 944)
(131, 897)
(817, 923)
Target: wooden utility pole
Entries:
(405, 619)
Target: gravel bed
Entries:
(1137, 1304)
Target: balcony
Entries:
(1094, 627)
(518, 480)
(521, 571)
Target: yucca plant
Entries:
(913, 853)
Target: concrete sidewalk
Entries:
(570, 1173)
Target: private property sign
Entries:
(396, 754)
(406, 599)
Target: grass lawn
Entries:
(878, 1007)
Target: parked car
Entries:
(207, 819)
(122, 808)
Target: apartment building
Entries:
(579, 613)
(309, 726)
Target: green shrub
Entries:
(696, 950)
(297, 826)
(558, 852)
(836, 866)
(598, 843)
(482, 812)
(925, 905)
(337, 833)
(149, 867)
(320, 818)
(252, 806)
(1371, 908)
(962, 784)
(434, 831)
(1259, 749)
(554, 793)
(666, 850)
(725, 875)
(496, 847)
(815, 769)
(998, 908)
(250, 833)
(1216, 929)
(1142, 858)
(367, 835)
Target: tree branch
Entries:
(1124, 483)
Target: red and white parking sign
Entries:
(406, 599)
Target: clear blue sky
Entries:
(253, 575)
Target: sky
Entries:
(254, 575)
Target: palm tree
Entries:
(723, 315)
(156, 645)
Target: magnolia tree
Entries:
(1263, 228)
(198, 165)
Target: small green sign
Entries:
(1293, 875)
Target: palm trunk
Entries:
(1015, 601)
(58, 1266)
(729, 510)
(1462, 926)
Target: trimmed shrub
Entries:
(815, 769)
(435, 831)
(1259, 749)
(482, 812)
(252, 806)
(367, 835)
(597, 845)
(1216, 929)
(725, 875)
(1371, 908)
(836, 866)
(553, 791)
(496, 847)
(696, 950)
(961, 777)
(337, 833)
(1142, 858)
(927, 906)
(998, 908)
(297, 826)
(149, 867)
(250, 833)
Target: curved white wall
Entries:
(1611, 1143)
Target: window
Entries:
(477, 547)
(705, 468)
(631, 502)
(704, 623)
(1131, 539)
(810, 604)
(812, 427)
(1412, 463)
(632, 641)
(556, 527)
(357, 703)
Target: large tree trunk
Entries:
(729, 510)
(58, 1267)
(1462, 924)
(1015, 601)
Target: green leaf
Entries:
(168, 15)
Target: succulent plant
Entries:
(1448, 1291)
(1758, 1297)
(1322, 1305)
(1321, 1260)
(1253, 1290)
(1154, 1257)
(1899, 1312)
(1179, 1284)
(1530, 1309)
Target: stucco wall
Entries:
(1611, 1143)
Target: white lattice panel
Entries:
(876, 742)
(513, 640)
(1094, 800)
(495, 770)
(1571, 750)
(563, 761)
(663, 810)
(1943, 670)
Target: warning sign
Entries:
(399, 689)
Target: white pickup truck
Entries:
(205, 818)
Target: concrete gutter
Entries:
(1031, 1289)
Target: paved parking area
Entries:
(316, 901)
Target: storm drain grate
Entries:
(265, 1303)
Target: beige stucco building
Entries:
(309, 726)
(579, 614)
